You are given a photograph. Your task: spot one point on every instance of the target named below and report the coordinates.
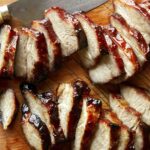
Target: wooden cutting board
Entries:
(13, 138)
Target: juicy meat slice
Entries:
(53, 45)
(136, 16)
(69, 105)
(87, 124)
(126, 136)
(45, 106)
(130, 118)
(133, 37)
(106, 136)
(8, 107)
(37, 57)
(95, 40)
(67, 28)
(35, 130)
(139, 100)
(8, 42)
(110, 65)
(21, 54)
(131, 64)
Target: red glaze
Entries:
(113, 49)
(133, 32)
(53, 37)
(116, 37)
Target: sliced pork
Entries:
(95, 40)
(35, 130)
(53, 45)
(130, 118)
(69, 105)
(68, 30)
(136, 16)
(110, 65)
(45, 106)
(139, 100)
(131, 64)
(106, 137)
(87, 124)
(8, 107)
(126, 136)
(8, 42)
(133, 37)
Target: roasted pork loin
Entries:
(68, 30)
(35, 130)
(87, 123)
(131, 118)
(8, 42)
(45, 106)
(95, 41)
(53, 45)
(133, 37)
(110, 65)
(139, 100)
(140, 17)
(8, 107)
(69, 105)
(126, 136)
(106, 136)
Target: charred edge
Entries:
(136, 34)
(91, 123)
(27, 87)
(131, 141)
(80, 89)
(49, 100)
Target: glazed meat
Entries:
(131, 64)
(130, 118)
(67, 28)
(8, 107)
(45, 106)
(69, 105)
(8, 42)
(35, 130)
(21, 54)
(140, 17)
(87, 123)
(110, 65)
(54, 50)
(139, 100)
(132, 37)
(126, 136)
(106, 136)
(95, 40)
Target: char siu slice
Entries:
(8, 42)
(67, 28)
(145, 5)
(8, 107)
(95, 40)
(132, 37)
(37, 57)
(139, 100)
(110, 65)
(69, 105)
(54, 50)
(87, 124)
(126, 136)
(131, 64)
(130, 118)
(106, 136)
(136, 16)
(45, 106)
(21, 54)
(35, 130)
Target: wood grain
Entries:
(13, 138)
